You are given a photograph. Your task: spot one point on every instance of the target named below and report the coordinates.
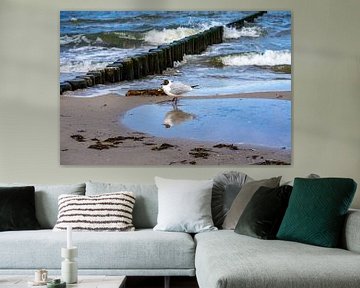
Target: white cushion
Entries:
(105, 212)
(184, 205)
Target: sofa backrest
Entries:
(146, 203)
(46, 200)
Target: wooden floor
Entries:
(158, 282)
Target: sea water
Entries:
(263, 122)
(252, 59)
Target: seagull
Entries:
(176, 89)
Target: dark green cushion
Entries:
(263, 214)
(17, 208)
(316, 211)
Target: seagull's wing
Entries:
(178, 88)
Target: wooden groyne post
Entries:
(155, 61)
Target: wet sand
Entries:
(91, 134)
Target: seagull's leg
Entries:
(174, 102)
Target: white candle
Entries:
(69, 237)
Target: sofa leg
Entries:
(167, 282)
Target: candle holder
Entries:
(69, 271)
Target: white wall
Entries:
(326, 88)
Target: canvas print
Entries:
(175, 88)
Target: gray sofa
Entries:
(218, 259)
(226, 259)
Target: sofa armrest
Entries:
(351, 234)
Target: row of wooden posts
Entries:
(155, 61)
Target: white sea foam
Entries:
(186, 59)
(85, 58)
(157, 37)
(74, 39)
(99, 40)
(233, 33)
(178, 64)
(81, 66)
(205, 26)
(268, 58)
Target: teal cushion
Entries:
(316, 211)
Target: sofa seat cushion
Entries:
(226, 259)
(142, 249)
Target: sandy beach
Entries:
(91, 134)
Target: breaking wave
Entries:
(157, 37)
(121, 39)
(267, 58)
(88, 58)
(152, 37)
(233, 33)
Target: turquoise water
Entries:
(264, 122)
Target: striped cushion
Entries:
(105, 212)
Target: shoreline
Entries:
(91, 134)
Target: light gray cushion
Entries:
(226, 187)
(184, 205)
(225, 259)
(46, 200)
(146, 204)
(243, 198)
(143, 249)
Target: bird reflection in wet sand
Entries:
(176, 117)
(176, 89)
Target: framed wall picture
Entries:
(175, 88)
